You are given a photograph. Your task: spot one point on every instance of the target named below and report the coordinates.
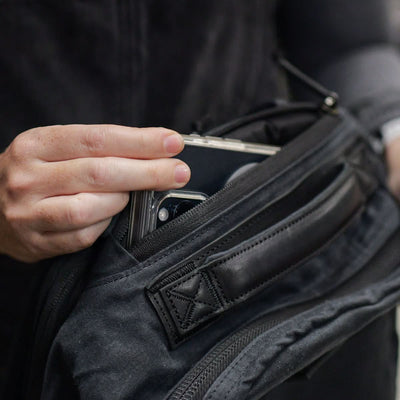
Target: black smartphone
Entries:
(213, 161)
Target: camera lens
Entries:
(163, 214)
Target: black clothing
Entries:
(172, 63)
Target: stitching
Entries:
(228, 238)
(175, 308)
(198, 287)
(181, 297)
(186, 322)
(188, 310)
(189, 316)
(211, 287)
(165, 318)
(219, 285)
(188, 278)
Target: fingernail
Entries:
(182, 173)
(173, 143)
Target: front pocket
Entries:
(193, 294)
(272, 348)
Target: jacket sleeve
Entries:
(347, 46)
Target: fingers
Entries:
(111, 174)
(68, 213)
(58, 143)
(60, 185)
(54, 243)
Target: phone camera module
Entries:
(172, 207)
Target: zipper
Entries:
(232, 193)
(197, 381)
(120, 232)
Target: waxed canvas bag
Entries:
(242, 292)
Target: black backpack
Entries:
(254, 285)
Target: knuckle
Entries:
(22, 146)
(94, 140)
(18, 220)
(98, 172)
(85, 238)
(76, 213)
(17, 183)
(11, 215)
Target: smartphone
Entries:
(213, 161)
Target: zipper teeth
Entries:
(191, 389)
(122, 233)
(171, 278)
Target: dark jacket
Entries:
(175, 63)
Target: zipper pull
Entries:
(330, 98)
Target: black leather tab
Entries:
(193, 295)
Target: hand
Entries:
(393, 163)
(61, 185)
